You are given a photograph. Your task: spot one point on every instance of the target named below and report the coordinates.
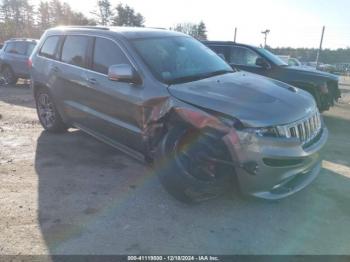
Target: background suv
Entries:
(163, 96)
(14, 59)
(323, 86)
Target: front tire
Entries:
(186, 166)
(48, 115)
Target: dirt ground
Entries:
(70, 194)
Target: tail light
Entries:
(30, 63)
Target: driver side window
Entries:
(242, 56)
(107, 53)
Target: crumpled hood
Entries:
(255, 100)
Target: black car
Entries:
(323, 86)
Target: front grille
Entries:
(305, 129)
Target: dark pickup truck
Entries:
(323, 86)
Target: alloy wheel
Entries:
(46, 110)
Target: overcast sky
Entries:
(295, 23)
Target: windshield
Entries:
(272, 57)
(180, 59)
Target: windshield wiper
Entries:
(219, 72)
(199, 77)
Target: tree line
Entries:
(198, 31)
(19, 18)
(327, 56)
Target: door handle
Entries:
(92, 81)
(55, 69)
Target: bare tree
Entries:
(43, 16)
(198, 31)
(104, 13)
(16, 17)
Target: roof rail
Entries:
(22, 39)
(86, 27)
(161, 28)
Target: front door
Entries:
(115, 108)
(245, 59)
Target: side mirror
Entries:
(261, 62)
(123, 73)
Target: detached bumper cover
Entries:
(274, 168)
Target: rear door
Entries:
(69, 80)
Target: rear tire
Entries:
(9, 76)
(181, 171)
(48, 115)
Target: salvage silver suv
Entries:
(166, 98)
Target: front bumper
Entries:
(274, 168)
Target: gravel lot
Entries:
(70, 194)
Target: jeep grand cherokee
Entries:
(165, 97)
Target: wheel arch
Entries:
(312, 89)
(40, 86)
(4, 65)
(177, 181)
(183, 117)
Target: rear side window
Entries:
(49, 47)
(74, 50)
(10, 47)
(19, 48)
(107, 53)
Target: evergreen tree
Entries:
(18, 18)
(126, 16)
(202, 31)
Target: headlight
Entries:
(231, 122)
(264, 131)
(274, 131)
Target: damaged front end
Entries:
(265, 162)
(163, 113)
